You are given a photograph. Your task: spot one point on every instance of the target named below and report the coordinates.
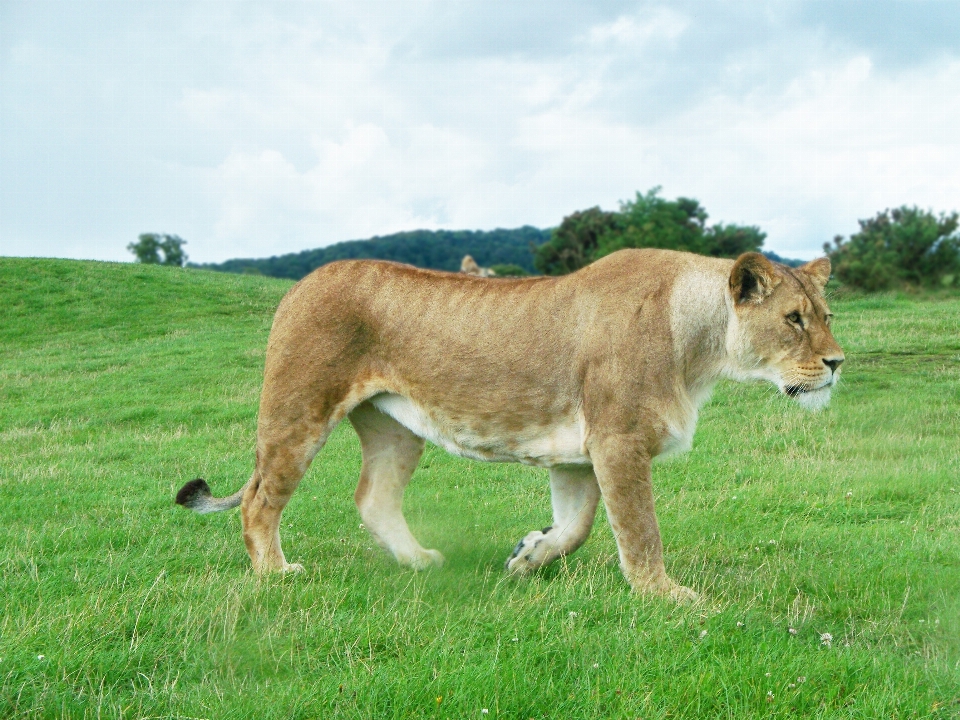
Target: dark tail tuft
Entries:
(196, 496)
(194, 493)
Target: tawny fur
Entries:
(591, 375)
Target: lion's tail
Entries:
(196, 496)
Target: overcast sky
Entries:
(256, 128)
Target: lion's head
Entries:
(781, 330)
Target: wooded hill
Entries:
(436, 249)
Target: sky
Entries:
(253, 129)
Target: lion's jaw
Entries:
(809, 386)
(811, 391)
(813, 400)
(779, 330)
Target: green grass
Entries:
(120, 382)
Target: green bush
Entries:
(904, 247)
(149, 247)
(575, 243)
(509, 270)
(646, 221)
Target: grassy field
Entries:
(120, 382)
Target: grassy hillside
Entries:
(120, 382)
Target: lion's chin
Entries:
(813, 400)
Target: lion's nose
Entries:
(832, 363)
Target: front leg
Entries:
(574, 494)
(622, 467)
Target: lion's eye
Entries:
(795, 318)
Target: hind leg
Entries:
(280, 466)
(390, 455)
(574, 495)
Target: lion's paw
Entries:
(683, 595)
(425, 560)
(291, 568)
(664, 587)
(529, 554)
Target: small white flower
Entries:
(766, 674)
(572, 613)
(792, 631)
(826, 639)
(40, 657)
(596, 665)
(703, 634)
(361, 526)
(772, 542)
(734, 497)
(792, 685)
(515, 640)
(484, 711)
(769, 695)
(739, 624)
(849, 495)
(802, 679)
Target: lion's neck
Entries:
(699, 317)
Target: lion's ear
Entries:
(818, 271)
(753, 278)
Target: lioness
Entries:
(591, 375)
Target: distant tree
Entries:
(149, 246)
(173, 252)
(732, 240)
(146, 249)
(652, 221)
(899, 247)
(647, 221)
(575, 243)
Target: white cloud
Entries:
(657, 24)
(841, 143)
(838, 143)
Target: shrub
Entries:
(646, 221)
(904, 247)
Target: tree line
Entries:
(901, 247)
(506, 251)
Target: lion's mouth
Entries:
(803, 388)
(810, 395)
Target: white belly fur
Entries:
(560, 444)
